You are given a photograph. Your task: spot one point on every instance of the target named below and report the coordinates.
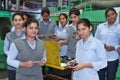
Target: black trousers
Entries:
(109, 71)
(11, 74)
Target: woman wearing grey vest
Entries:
(27, 54)
(71, 32)
(10, 37)
(46, 27)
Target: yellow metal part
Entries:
(53, 54)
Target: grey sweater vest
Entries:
(46, 29)
(72, 42)
(25, 53)
(11, 36)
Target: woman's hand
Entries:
(76, 36)
(51, 37)
(42, 62)
(27, 64)
(57, 38)
(78, 66)
(41, 36)
(109, 48)
(118, 49)
(71, 64)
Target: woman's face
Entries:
(18, 21)
(63, 21)
(45, 17)
(111, 17)
(74, 18)
(25, 18)
(83, 31)
(32, 30)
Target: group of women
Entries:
(95, 56)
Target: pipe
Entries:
(33, 2)
(18, 5)
(6, 4)
(100, 4)
(60, 2)
(44, 3)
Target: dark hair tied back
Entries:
(85, 22)
(45, 10)
(29, 21)
(109, 9)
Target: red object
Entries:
(24, 1)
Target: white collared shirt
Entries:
(61, 32)
(109, 35)
(93, 52)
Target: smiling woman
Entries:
(90, 54)
(109, 34)
(31, 56)
(17, 20)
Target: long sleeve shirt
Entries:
(109, 35)
(93, 52)
(61, 32)
(13, 52)
(7, 42)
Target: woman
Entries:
(109, 34)
(25, 16)
(46, 27)
(10, 37)
(61, 34)
(71, 32)
(90, 54)
(27, 54)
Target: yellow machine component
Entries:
(53, 54)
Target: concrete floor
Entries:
(4, 79)
(3, 74)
